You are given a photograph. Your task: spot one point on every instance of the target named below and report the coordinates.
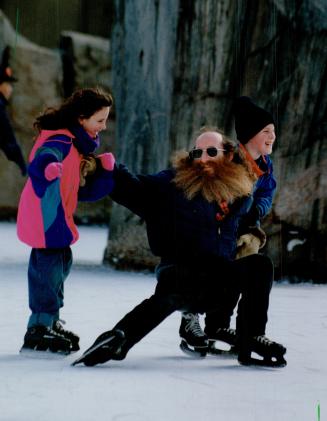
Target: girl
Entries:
(56, 182)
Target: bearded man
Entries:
(192, 213)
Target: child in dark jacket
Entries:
(62, 153)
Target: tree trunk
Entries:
(143, 47)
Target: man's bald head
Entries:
(209, 146)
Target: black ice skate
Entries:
(108, 346)
(194, 340)
(74, 339)
(272, 352)
(42, 338)
(225, 335)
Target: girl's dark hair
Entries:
(81, 104)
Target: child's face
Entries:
(262, 142)
(96, 123)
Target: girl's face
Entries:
(262, 142)
(96, 123)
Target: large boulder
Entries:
(43, 79)
(87, 61)
(39, 73)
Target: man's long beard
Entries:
(218, 181)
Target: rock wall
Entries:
(273, 51)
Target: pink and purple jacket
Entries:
(46, 208)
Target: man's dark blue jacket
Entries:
(178, 229)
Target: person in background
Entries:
(8, 142)
(60, 162)
(255, 130)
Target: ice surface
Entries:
(156, 382)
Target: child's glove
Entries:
(53, 170)
(88, 167)
(251, 242)
(107, 161)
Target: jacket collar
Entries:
(255, 167)
(83, 142)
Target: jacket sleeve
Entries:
(129, 190)
(9, 143)
(99, 185)
(137, 192)
(51, 152)
(263, 195)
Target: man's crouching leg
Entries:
(135, 325)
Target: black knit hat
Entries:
(5, 69)
(249, 118)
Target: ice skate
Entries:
(194, 340)
(58, 328)
(222, 341)
(108, 346)
(272, 353)
(43, 339)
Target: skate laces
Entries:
(193, 324)
(269, 344)
(227, 330)
(264, 340)
(58, 325)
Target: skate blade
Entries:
(91, 351)
(197, 352)
(43, 355)
(79, 360)
(227, 350)
(269, 363)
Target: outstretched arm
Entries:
(138, 193)
(99, 182)
(130, 190)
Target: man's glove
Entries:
(88, 166)
(53, 170)
(251, 242)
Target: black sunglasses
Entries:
(211, 151)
